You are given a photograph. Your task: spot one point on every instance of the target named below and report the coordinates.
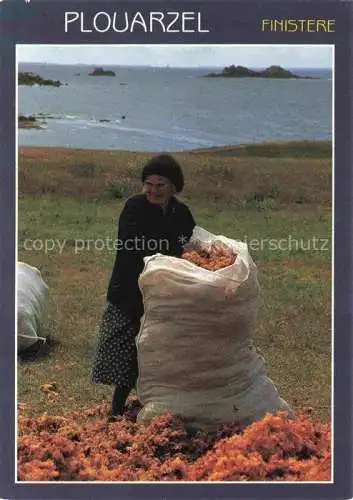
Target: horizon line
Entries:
(158, 66)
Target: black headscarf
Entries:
(166, 166)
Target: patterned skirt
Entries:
(115, 360)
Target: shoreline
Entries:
(273, 148)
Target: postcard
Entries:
(176, 249)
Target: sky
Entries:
(257, 56)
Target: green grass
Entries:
(255, 201)
(291, 149)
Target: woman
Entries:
(151, 222)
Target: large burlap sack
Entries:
(32, 292)
(195, 346)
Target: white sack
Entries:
(195, 346)
(32, 292)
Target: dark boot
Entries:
(119, 399)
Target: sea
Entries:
(172, 109)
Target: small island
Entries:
(102, 72)
(243, 72)
(26, 78)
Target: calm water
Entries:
(168, 109)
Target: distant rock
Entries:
(26, 78)
(102, 72)
(243, 72)
(28, 122)
(45, 116)
(35, 121)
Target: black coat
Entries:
(144, 229)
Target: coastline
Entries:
(275, 148)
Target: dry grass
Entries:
(104, 174)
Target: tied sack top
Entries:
(143, 230)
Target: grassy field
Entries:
(275, 196)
